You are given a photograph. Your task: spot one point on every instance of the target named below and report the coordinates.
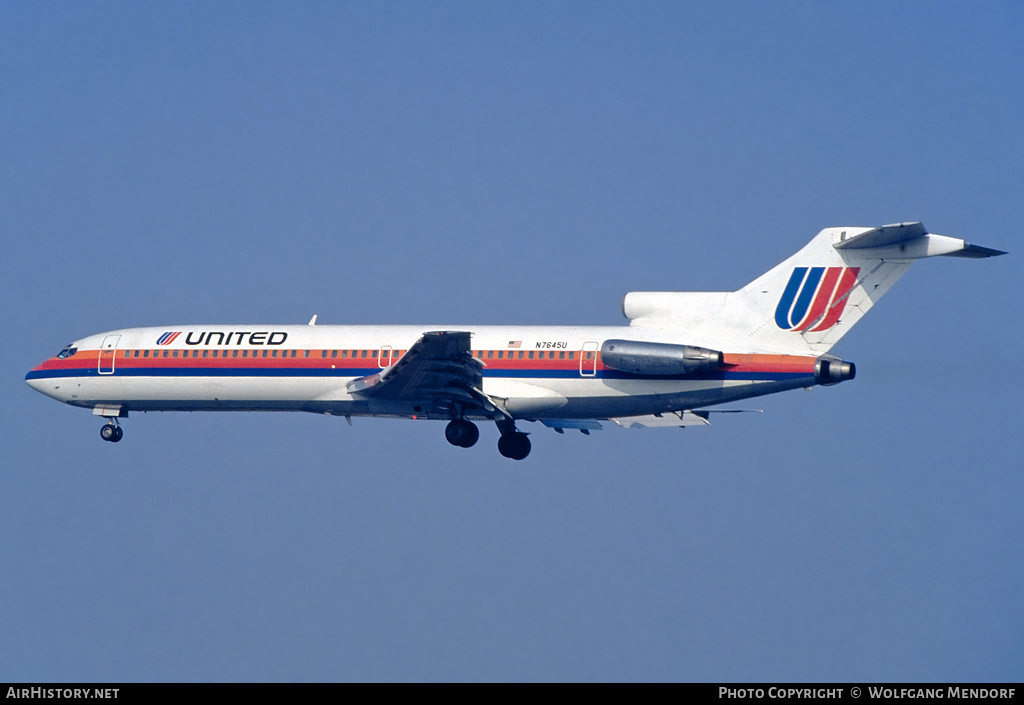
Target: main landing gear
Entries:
(462, 433)
(111, 432)
(513, 443)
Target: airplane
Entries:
(681, 353)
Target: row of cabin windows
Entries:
(216, 353)
(490, 354)
(355, 353)
(527, 354)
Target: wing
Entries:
(438, 370)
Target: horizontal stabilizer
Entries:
(912, 241)
(975, 252)
(882, 237)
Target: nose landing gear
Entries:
(111, 432)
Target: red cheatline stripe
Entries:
(768, 363)
(87, 359)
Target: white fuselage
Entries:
(534, 372)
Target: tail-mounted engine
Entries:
(829, 370)
(658, 358)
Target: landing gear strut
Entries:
(461, 432)
(111, 432)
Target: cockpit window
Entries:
(66, 353)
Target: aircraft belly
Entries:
(637, 397)
(205, 393)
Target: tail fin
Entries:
(806, 304)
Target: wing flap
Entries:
(679, 419)
(438, 369)
(580, 424)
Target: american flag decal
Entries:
(515, 343)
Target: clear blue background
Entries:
(524, 162)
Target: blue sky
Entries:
(510, 163)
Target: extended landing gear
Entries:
(111, 432)
(462, 433)
(515, 445)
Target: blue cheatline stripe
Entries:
(806, 296)
(786, 302)
(320, 372)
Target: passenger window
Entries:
(364, 353)
(305, 353)
(334, 353)
(234, 353)
(572, 355)
(215, 353)
(501, 354)
(175, 354)
(135, 354)
(344, 353)
(521, 355)
(145, 353)
(273, 353)
(166, 353)
(490, 354)
(530, 355)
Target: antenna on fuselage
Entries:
(312, 321)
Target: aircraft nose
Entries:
(44, 385)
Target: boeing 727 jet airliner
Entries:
(681, 353)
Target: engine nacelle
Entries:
(831, 370)
(658, 358)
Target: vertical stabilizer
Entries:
(809, 301)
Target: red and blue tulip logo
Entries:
(167, 338)
(815, 298)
